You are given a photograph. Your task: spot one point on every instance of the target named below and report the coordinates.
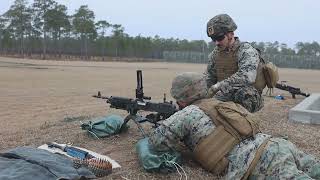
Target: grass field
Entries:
(44, 101)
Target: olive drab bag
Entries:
(267, 74)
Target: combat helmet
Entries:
(188, 87)
(220, 25)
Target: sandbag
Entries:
(155, 161)
(104, 126)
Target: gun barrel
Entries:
(100, 96)
(121, 103)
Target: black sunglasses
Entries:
(218, 38)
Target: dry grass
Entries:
(44, 101)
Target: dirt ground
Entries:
(43, 101)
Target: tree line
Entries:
(45, 28)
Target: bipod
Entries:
(137, 119)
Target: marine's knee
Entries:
(250, 98)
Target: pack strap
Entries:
(256, 158)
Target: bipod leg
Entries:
(125, 121)
(136, 120)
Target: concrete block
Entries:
(307, 111)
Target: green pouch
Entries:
(104, 126)
(155, 161)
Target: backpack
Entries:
(267, 74)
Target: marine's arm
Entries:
(188, 125)
(169, 134)
(211, 72)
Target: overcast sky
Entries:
(287, 21)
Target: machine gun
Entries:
(293, 90)
(161, 110)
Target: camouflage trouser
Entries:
(248, 96)
(283, 160)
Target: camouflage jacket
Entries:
(248, 60)
(191, 124)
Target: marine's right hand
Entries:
(213, 90)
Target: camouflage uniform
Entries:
(280, 159)
(188, 125)
(238, 87)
